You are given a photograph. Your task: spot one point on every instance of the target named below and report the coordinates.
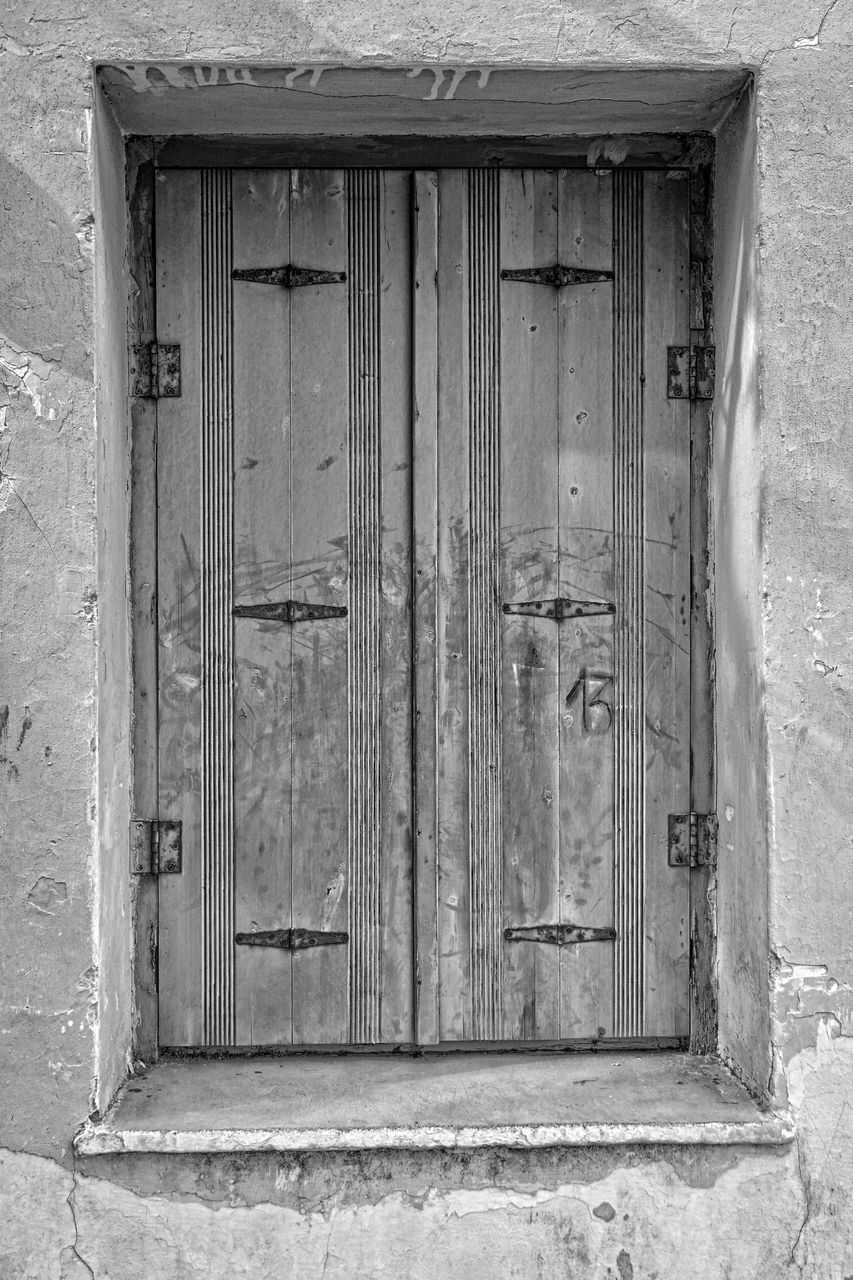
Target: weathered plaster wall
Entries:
(749, 1213)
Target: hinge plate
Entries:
(559, 608)
(155, 369)
(291, 939)
(690, 373)
(559, 935)
(156, 847)
(557, 276)
(692, 839)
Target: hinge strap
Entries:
(288, 276)
(559, 935)
(557, 276)
(289, 611)
(560, 608)
(291, 939)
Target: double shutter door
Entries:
(423, 601)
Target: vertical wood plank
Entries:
(262, 558)
(319, 503)
(630, 540)
(216, 605)
(365, 210)
(585, 477)
(425, 539)
(484, 618)
(667, 602)
(395, 971)
(179, 305)
(452, 613)
(143, 588)
(529, 571)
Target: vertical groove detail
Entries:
(484, 711)
(217, 648)
(629, 535)
(364, 210)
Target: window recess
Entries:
(426, 685)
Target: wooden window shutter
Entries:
(283, 476)
(562, 607)
(423, 599)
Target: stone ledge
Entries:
(461, 1101)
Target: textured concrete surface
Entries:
(65, 1018)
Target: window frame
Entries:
(144, 156)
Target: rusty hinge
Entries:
(560, 608)
(155, 847)
(690, 373)
(556, 276)
(291, 939)
(155, 369)
(559, 935)
(692, 839)
(288, 276)
(289, 611)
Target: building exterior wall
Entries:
(782, 474)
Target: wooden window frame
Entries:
(144, 156)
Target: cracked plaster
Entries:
(794, 1215)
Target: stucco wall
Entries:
(782, 470)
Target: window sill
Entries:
(462, 1101)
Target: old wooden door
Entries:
(423, 603)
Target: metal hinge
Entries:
(290, 611)
(155, 847)
(559, 935)
(155, 369)
(690, 373)
(288, 276)
(557, 276)
(291, 939)
(560, 608)
(692, 839)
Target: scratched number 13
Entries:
(597, 713)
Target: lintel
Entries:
(461, 1101)
(607, 107)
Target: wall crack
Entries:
(71, 1254)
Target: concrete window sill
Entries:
(462, 1101)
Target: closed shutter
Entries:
(283, 475)
(445, 458)
(563, 476)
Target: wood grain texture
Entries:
(262, 571)
(452, 614)
(530, 571)
(216, 603)
(585, 501)
(319, 572)
(629, 538)
(425, 602)
(396, 976)
(484, 617)
(178, 238)
(364, 215)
